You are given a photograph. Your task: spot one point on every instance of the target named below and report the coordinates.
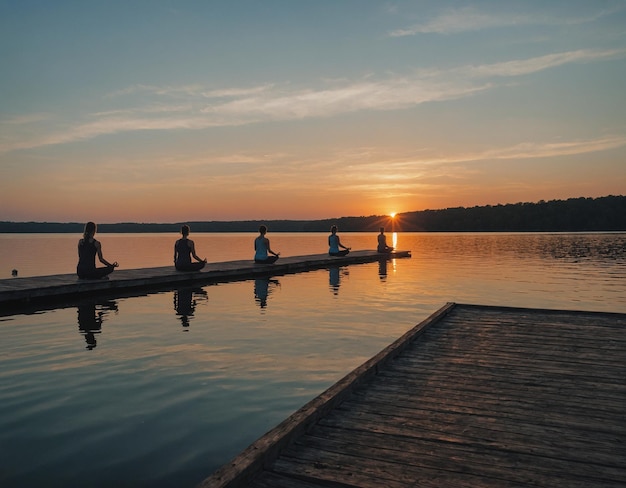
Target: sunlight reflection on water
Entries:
(161, 389)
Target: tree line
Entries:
(571, 215)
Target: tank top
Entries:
(261, 248)
(183, 252)
(333, 242)
(87, 255)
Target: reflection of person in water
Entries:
(184, 249)
(262, 290)
(90, 319)
(334, 243)
(382, 269)
(185, 302)
(334, 278)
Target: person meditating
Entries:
(334, 244)
(88, 248)
(184, 249)
(382, 242)
(262, 248)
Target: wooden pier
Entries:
(25, 290)
(473, 396)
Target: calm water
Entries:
(161, 389)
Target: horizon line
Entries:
(395, 216)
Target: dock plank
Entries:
(474, 396)
(24, 290)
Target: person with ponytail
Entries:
(88, 248)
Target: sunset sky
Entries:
(179, 110)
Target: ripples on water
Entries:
(161, 389)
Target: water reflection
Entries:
(91, 314)
(262, 290)
(185, 300)
(334, 278)
(581, 247)
(382, 269)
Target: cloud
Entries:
(470, 19)
(203, 108)
(186, 90)
(540, 63)
(523, 150)
(554, 149)
(376, 172)
(24, 119)
(256, 106)
(391, 94)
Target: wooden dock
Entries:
(24, 290)
(473, 396)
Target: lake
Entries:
(162, 388)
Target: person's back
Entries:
(86, 256)
(262, 249)
(88, 249)
(333, 244)
(183, 252)
(260, 246)
(382, 242)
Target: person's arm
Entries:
(267, 241)
(100, 257)
(192, 246)
(175, 252)
(341, 245)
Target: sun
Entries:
(392, 215)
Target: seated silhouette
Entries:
(184, 249)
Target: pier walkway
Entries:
(474, 396)
(24, 290)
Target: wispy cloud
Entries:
(540, 63)
(554, 149)
(389, 94)
(204, 108)
(522, 150)
(377, 173)
(186, 90)
(24, 119)
(470, 19)
(189, 91)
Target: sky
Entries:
(186, 110)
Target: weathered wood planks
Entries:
(474, 397)
(16, 290)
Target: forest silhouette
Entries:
(571, 215)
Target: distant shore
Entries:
(572, 215)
